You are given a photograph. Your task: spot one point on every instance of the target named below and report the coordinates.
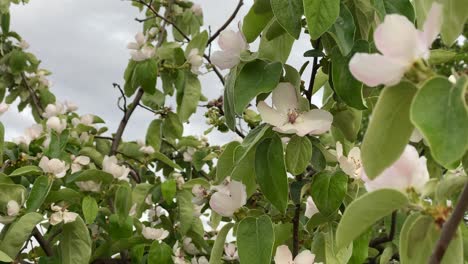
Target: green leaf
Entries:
(255, 238)
(184, 200)
(440, 113)
(256, 20)
(218, 247)
(153, 134)
(120, 228)
(18, 232)
(226, 162)
(244, 169)
(320, 15)
(5, 22)
(38, 193)
(9, 192)
(2, 142)
(346, 86)
(90, 209)
(75, 243)
(18, 61)
(401, 7)
(144, 76)
(123, 201)
(163, 158)
(4, 257)
(160, 252)
(348, 122)
(343, 30)
(190, 98)
(271, 172)
(256, 77)
(91, 175)
(169, 189)
(172, 127)
(365, 211)
(328, 191)
(298, 154)
(288, 13)
(389, 130)
(199, 42)
(29, 170)
(276, 49)
(228, 105)
(440, 56)
(154, 101)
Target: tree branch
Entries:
(450, 228)
(295, 222)
(312, 76)
(389, 237)
(42, 242)
(226, 24)
(35, 99)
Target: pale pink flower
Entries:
(228, 198)
(352, 164)
(284, 256)
(232, 44)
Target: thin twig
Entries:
(102, 137)
(35, 99)
(149, 109)
(226, 24)
(313, 74)
(389, 237)
(116, 85)
(450, 228)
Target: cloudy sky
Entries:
(83, 43)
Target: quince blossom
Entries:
(154, 233)
(230, 196)
(311, 208)
(197, 10)
(200, 260)
(61, 215)
(3, 108)
(57, 124)
(53, 166)
(89, 186)
(232, 44)
(195, 60)
(409, 171)
(139, 50)
(286, 117)
(284, 256)
(13, 208)
(144, 148)
(110, 165)
(352, 164)
(230, 252)
(78, 163)
(401, 45)
(54, 110)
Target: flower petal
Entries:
(270, 115)
(225, 59)
(223, 204)
(397, 38)
(305, 257)
(232, 41)
(284, 97)
(238, 193)
(375, 69)
(314, 122)
(283, 255)
(431, 27)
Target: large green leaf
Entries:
(92, 175)
(298, 154)
(328, 191)
(228, 105)
(144, 76)
(343, 30)
(2, 141)
(402, 7)
(38, 193)
(9, 192)
(256, 77)
(199, 42)
(365, 211)
(90, 209)
(75, 243)
(153, 134)
(256, 19)
(389, 129)
(276, 49)
(244, 170)
(255, 238)
(439, 111)
(218, 247)
(184, 201)
(191, 96)
(288, 13)
(271, 172)
(226, 162)
(320, 15)
(160, 252)
(18, 232)
(29, 170)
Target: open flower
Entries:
(230, 252)
(139, 50)
(197, 10)
(188, 155)
(195, 60)
(401, 45)
(57, 124)
(53, 166)
(54, 110)
(311, 208)
(13, 208)
(232, 44)
(144, 148)
(200, 260)
(30, 134)
(3, 108)
(189, 246)
(89, 186)
(78, 163)
(200, 194)
(110, 165)
(284, 256)
(61, 215)
(70, 106)
(286, 117)
(352, 164)
(23, 45)
(154, 233)
(86, 120)
(409, 171)
(230, 196)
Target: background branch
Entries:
(226, 24)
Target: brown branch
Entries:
(313, 74)
(295, 221)
(380, 240)
(35, 99)
(124, 122)
(450, 228)
(42, 242)
(226, 24)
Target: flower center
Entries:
(292, 116)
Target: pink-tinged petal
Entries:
(283, 255)
(140, 38)
(270, 115)
(233, 42)
(287, 128)
(305, 257)
(314, 122)
(284, 97)
(339, 149)
(375, 69)
(431, 27)
(238, 193)
(397, 38)
(223, 204)
(225, 59)
(133, 46)
(311, 208)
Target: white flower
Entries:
(197, 10)
(56, 124)
(188, 155)
(416, 136)
(78, 163)
(61, 215)
(232, 44)
(89, 186)
(311, 208)
(139, 50)
(13, 208)
(352, 164)
(284, 256)
(179, 178)
(23, 44)
(54, 110)
(41, 74)
(230, 252)
(200, 194)
(154, 233)
(54, 166)
(189, 246)
(228, 198)
(195, 60)
(179, 255)
(286, 117)
(144, 148)
(201, 260)
(70, 106)
(110, 165)
(408, 171)
(401, 44)
(3, 108)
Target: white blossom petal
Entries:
(225, 59)
(270, 115)
(305, 257)
(375, 69)
(283, 255)
(432, 25)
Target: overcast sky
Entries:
(83, 43)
